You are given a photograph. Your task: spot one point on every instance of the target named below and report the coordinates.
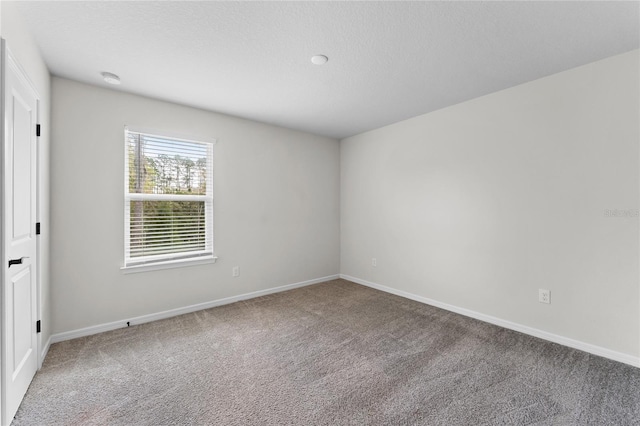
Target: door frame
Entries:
(8, 59)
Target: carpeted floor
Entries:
(335, 353)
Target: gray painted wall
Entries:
(481, 204)
(276, 207)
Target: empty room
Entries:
(320, 213)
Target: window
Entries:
(168, 206)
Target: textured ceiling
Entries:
(388, 61)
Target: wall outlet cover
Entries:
(544, 296)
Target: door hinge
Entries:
(38, 228)
(38, 326)
(37, 130)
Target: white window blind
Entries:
(168, 199)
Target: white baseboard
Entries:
(88, 331)
(43, 352)
(575, 344)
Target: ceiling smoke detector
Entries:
(110, 78)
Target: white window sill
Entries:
(168, 264)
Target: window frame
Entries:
(169, 260)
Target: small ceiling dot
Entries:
(319, 59)
(110, 78)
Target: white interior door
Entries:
(19, 309)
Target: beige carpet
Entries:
(334, 353)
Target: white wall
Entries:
(28, 55)
(276, 206)
(480, 204)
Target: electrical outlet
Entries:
(374, 262)
(235, 271)
(544, 296)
